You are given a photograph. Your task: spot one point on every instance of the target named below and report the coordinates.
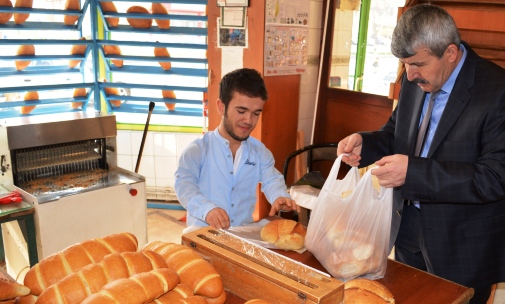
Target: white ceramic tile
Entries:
(124, 142)
(148, 144)
(165, 182)
(307, 104)
(310, 86)
(314, 42)
(165, 166)
(305, 124)
(125, 162)
(164, 144)
(316, 11)
(146, 165)
(150, 182)
(183, 141)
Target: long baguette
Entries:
(9, 290)
(72, 259)
(77, 286)
(138, 289)
(181, 291)
(191, 267)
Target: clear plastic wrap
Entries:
(264, 257)
(349, 227)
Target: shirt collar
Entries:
(223, 140)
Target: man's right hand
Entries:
(351, 145)
(218, 218)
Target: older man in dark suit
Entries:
(449, 181)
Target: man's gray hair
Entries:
(424, 26)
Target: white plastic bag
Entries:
(349, 227)
(304, 195)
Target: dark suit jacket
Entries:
(461, 184)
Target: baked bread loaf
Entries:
(158, 8)
(256, 301)
(5, 17)
(284, 234)
(21, 18)
(71, 5)
(169, 94)
(138, 289)
(78, 92)
(110, 7)
(73, 258)
(29, 96)
(138, 22)
(163, 52)
(77, 286)
(113, 50)
(24, 50)
(191, 267)
(28, 299)
(367, 291)
(181, 291)
(10, 290)
(191, 300)
(219, 300)
(77, 49)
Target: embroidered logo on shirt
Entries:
(247, 162)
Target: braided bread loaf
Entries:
(138, 289)
(72, 259)
(191, 267)
(77, 286)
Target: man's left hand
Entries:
(283, 204)
(392, 171)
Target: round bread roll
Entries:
(78, 92)
(158, 8)
(21, 18)
(169, 94)
(110, 7)
(137, 22)
(71, 5)
(24, 50)
(163, 52)
(77, 49)
(113, 50)
(284, 234)
(113, 91)
(29, 96)
(5, 17)
(359, 291)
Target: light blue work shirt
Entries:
(439, 106)
(206, 179)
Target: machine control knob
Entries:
(133, 192)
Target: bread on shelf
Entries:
(142, 23)
(21, 18)
(5, 17)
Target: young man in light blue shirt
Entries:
(218, 174)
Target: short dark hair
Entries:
(424, 25)
(244, 81)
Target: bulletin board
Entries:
(286, 37)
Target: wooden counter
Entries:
(408, 285)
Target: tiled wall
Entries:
(308, 87)
(160, 155)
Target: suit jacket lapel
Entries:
(458, 99)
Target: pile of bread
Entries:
(112, 270)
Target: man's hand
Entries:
(218, 218)
(351, 145)
(392, 171)
(284, 204)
